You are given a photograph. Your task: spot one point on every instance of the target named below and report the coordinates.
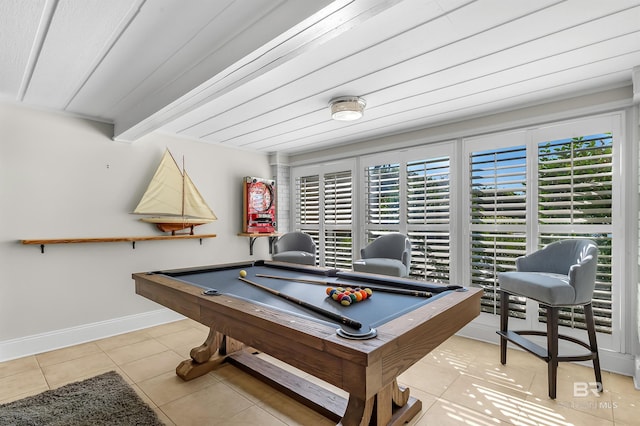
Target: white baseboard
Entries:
(624, 364)
(39, 343)
(609, 361)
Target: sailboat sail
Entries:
(173, 195)
(194, 204)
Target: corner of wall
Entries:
(281, 172)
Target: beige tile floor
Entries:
(460, 382)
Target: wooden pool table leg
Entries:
(392, 405)
(202, 360)
(358, 412)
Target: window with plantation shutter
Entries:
(324, 209)
(338, 206)
(498, 183)
(431, 255)
(411, 193)
(571, 198)
(382, 185)
(575, 180)
(307, 207)
(428, 191)
(498, 206)
(428, 217)
(491, 254)
(338, 198)
(338, 249)
(471, 206)
(575, 197)
(308, 200)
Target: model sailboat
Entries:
(173, 199)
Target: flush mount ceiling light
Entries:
(347, 108)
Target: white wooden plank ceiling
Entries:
(258, 74)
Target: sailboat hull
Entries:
(173, 224)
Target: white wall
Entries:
(63, 177)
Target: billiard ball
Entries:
(243, 273)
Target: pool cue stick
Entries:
(404, 291)
(344, 320)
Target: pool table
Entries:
(271, 311)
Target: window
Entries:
(308, 201)
(307, 211)
(472, 206)
(324, 210)
(575, 187)
(411, 194)
(338, 202)
(575, 181)
(525, 194)
(383, 195)
(428, 205)
(498, 206)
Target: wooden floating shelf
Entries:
(132, 240)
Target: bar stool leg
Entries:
(591, 330)
(504, 320)
(552, 349)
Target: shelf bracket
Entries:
(42, 248)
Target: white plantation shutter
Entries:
(498, 207)
(431, 254)
(498, 183)
(491, 254)
(575, 197)
(338, 198)
(428, 217)
(338, 249)
(338, 202)
(382, 189)
(428, 191)
(307, 200)
(575, 181)
(412, 196)
(382, 200)
(572, 199)
(324, 209)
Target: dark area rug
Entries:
(102, 400)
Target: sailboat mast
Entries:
(183, 185)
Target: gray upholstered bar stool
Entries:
(559, 275)
(295, 247)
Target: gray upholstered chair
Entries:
(295, 247)
(389, 254)
(562, 274)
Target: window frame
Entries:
(402, 158)
(623, 339)
(322, 228)
(530, 138)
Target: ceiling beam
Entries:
(251, 62)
